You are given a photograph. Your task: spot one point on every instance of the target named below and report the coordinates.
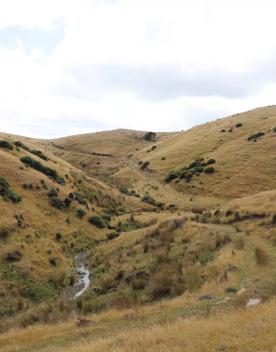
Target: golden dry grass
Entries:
(248, 330)
(243, 168)
(244, 182)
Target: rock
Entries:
(241, 291)
(225, 300)
(206, 298)
(253, 302)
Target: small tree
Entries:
(80, 213)
(150, 136)
(96, 221)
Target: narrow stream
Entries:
(82, 275)
(84, 280)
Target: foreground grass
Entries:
(252, 329)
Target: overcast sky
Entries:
(73, 66)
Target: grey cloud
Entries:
(158, 83)
(40, 127)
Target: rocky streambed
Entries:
(82, 278)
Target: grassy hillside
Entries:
(178, 232)
(41, 229)
(242, 167)
(103, 153)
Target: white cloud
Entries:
(144, 64)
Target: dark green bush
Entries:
(57, 203)
(131, 193)
(239, 125)
(199, 169)
(144, 165)
(51, 173)
(171, 176)
(148, 199)
(97, 221)
(19, 144)
(211, 161)
(4, 232)
(150, 136)
(14, 256)
(6, 145)
(36, 152)
(110, 236)
(256, 136)
(58, 236)
(52, 193)
(210, 170)
(194, 168)
(80, 213)
(53, 261)
(40, 154)
(7, 193)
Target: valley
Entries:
(121, 240)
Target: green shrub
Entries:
(131, 193)
(80, 213)
(150, 136)
(274, 129)
(51, 173)
(97, 221)
(256, 136)
(199, 169)
(110, 236)
(171, 176)
(4, 232)
(53, 261)
(36, 152)
(238, 125)
(14, 256)
(40, 154)
(21, 145)
(7, 193)
(148, 199)
(58, 236)
(210, 170)
(6, 145)
(52, 193)
(211, 161)
(57, 203)
(144, 165)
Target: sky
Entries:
(77, 66)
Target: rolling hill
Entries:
(178, 232)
